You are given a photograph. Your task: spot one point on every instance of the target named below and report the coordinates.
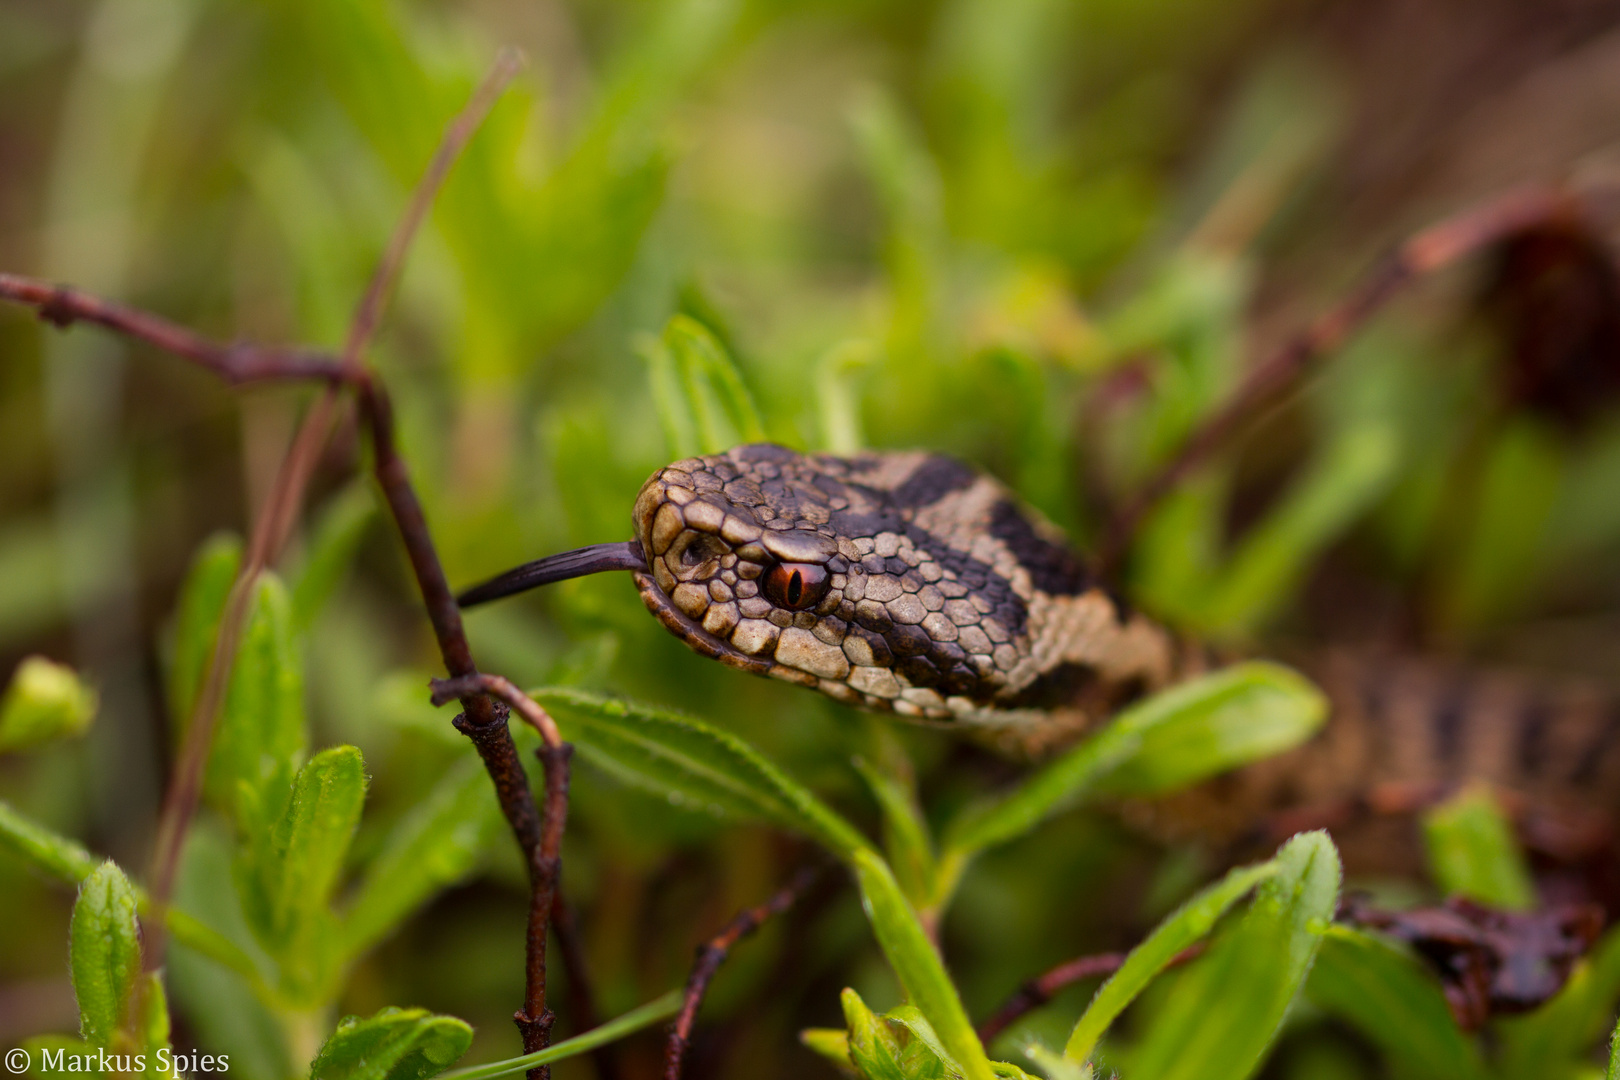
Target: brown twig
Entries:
(1434, 248)
(712, 953)
(1041, 989)
(482, 719)
(535, 1019)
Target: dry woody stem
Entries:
(1036, 992)
(712, 953)
(484, 717)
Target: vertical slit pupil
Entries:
(795, 588)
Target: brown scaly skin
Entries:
(925, 588)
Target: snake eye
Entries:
(796, 586)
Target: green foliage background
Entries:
(905, 224)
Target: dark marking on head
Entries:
(764, 451)
(935, 478)
(1052, 568)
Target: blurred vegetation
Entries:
(1046, 237)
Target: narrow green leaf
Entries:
(1388, 996)
(1183, 927)
(33, 843)
(104, 953)
(1172, 739)
(1225, 720)
(832, 1044)
(642, 1016)
(152, 1023)
(837, 398)
(1227, 1006)
(715, 392)
(261, 734)
(196, 621)
(1054, 1065)
(675, 414)
(1613, 1071)
(1353, 471)
(438, 843)
(70, 862)
(288, 874)
(395, 1044)
(917, 964)
(1472, 851)
(695, 765)
(331, 548)
(44, 701)
(905, 833)
(62, 1050)
(872, 1046)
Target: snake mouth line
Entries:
(682, 626)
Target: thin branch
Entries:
(1041, 989)
(535, 1019)
(712, 953)
(369, 314)
(1434, 248)
(237, 364)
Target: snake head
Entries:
(901, 581)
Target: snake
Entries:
(912, 583)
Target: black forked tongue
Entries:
(570, 564)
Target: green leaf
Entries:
(152, 1024)
(332, 544)
(1227, 1006)
(916, 963)
(872, 1046)
(1053, 1064)
(104, 953)
(658, 1009)
(62, 1048)
(695, 765)
(837, 398)
(1388, 996)
(1219, 722)
(1183, 927)
(905, 833)
(435, 845)
(196, 622)
(912, 1019)
(1613, 1071)
(704, 404)
(69, 861)
(288, 872)
(1472, 852)
(261, 733)
(1174, 738)
(395, 1044)
(56, 855)
(1263, 572)
(45, 701)
(832, 1044)
(1566, 1028)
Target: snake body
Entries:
(912, 583)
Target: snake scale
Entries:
(911, 583)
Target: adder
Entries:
(911, 583)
